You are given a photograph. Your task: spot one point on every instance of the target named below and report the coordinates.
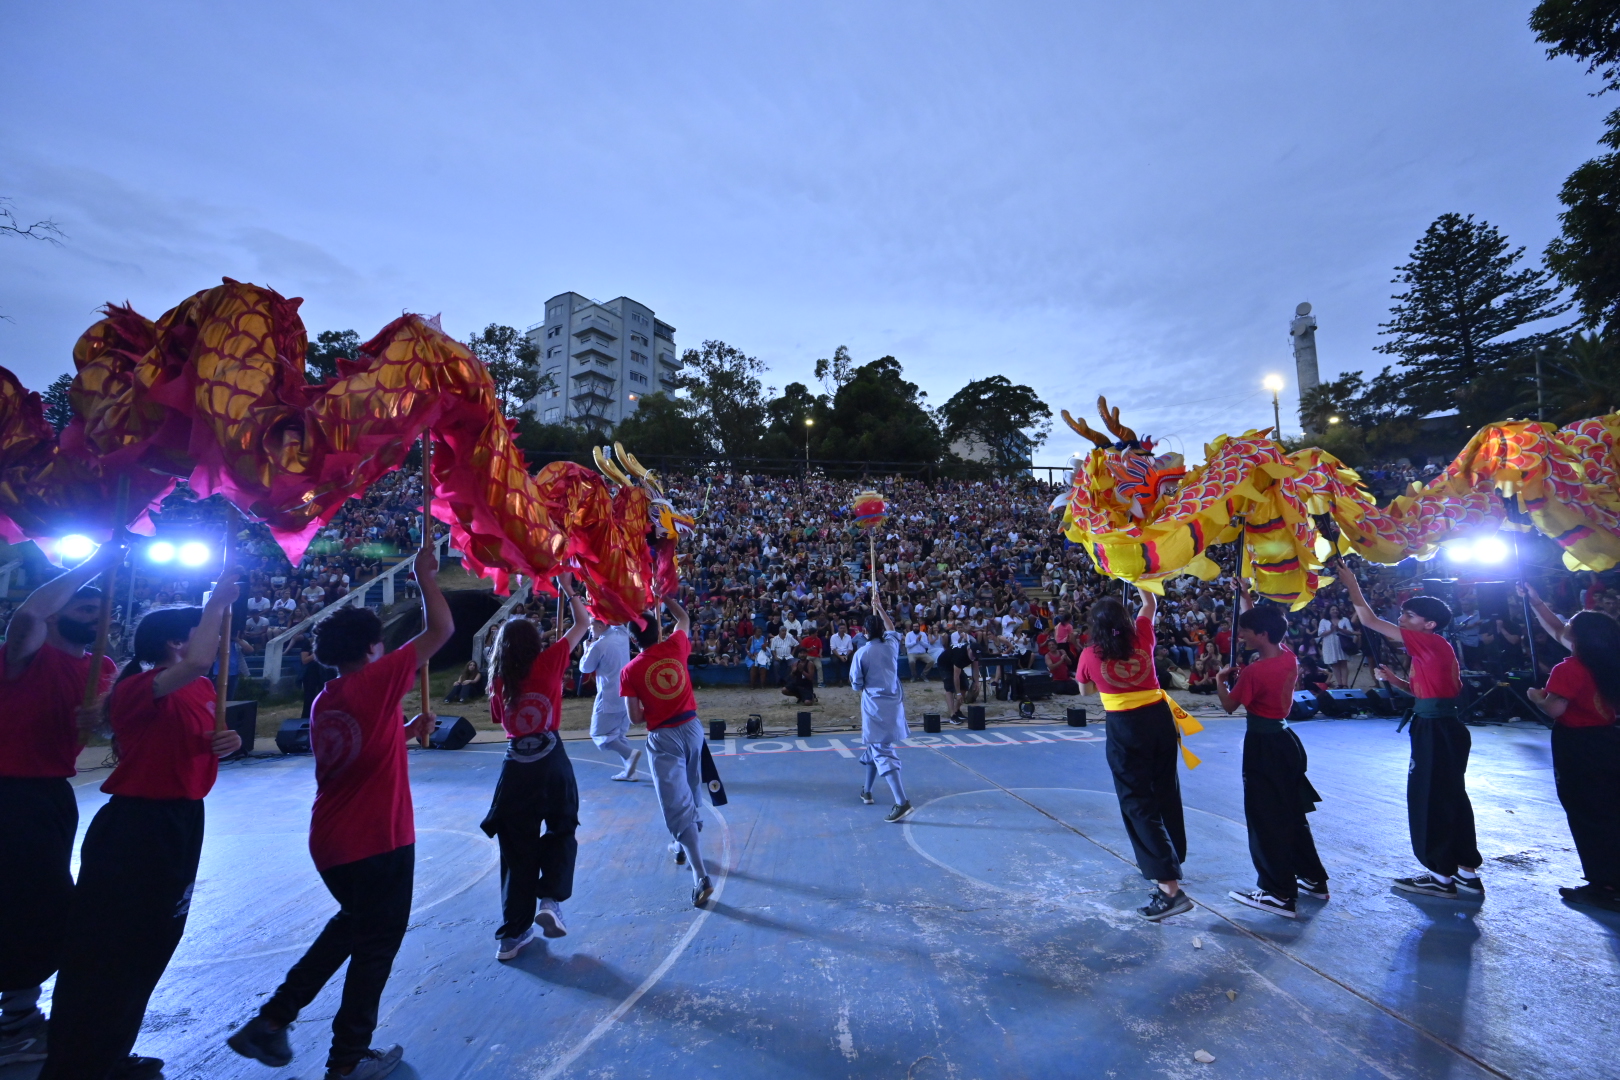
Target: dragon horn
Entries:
(1082, 428)
(637, 467)
(607, 468)
(1111, 421)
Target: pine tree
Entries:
(1451, 326)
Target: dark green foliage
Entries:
(1586, 30)
(58, 410)
(511, 360)
(1579, 377)
(663, 426)
(543, 443)
(879, 416)
(727, 398)
(1003, 416)
(327, 348)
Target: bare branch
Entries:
(46, 230)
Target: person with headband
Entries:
(1437, 807)
(1276, 793)
(874, 672)
(605, 657)
(138, 863)
(47, 663)
(1583, 697)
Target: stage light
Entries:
(75, 547)
(193, 553)
(1490, 549)
(1460, 551)
(161, 552)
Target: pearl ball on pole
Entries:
(1274, 383)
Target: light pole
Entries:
(1274, 383)
(809, 422)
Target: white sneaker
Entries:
(629, 771)
(510, 947)
(550, 920)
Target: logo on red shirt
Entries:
(335, 738)
(1126, 672)
(666, 679)
(532, 714)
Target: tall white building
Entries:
(602, 358)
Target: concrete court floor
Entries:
(989, 937)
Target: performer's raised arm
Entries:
(1358, 600)
(576, 610)
(683, 621)
(28, 628)
(1549, 619)
(438, 624)
(1150, 604)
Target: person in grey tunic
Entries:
(605, 656)
(874, 673)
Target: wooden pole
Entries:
(92, 683)
(427, 541)
(222, 677)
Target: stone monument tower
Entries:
(1302, 331)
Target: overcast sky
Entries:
(1087, 197)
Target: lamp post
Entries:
(1274, 383)
(809, 422)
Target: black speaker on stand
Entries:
(451, 733)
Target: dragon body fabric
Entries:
(214, 392)
(1145, 520)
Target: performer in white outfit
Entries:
(605, 657)
(874, 673)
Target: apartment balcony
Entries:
(601, 324)
(591, 387)
(664, 330)
(594, 349)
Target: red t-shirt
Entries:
(362, 776)
(1266, 687)
(1572, 681)
(539, 705)
(39, 733)
(659, 679)
(811, 644)
(1060, 669)
(165, 744)
(1434, 665)
(1123, 676)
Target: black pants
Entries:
(1142, 750)
(1437, 806)
(375, 899)
(535, 865)
(1586, 766)
(1276, 796)
(38, 819)
(136, 872)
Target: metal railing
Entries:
(276, 648)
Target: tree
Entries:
(836, 372)
(878, 416)
(727, 398)
(1463, 298)
(786, 434)
(58, 409)
(543, 443)
(46, 230)
(1006, 418)
(663, 426)
(322, 356)
(512, 362)
(1571, 378)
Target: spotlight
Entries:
(75, 547)
(161, 552)
(1460, 551)
(193, 553)
(1490, 549)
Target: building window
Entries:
(554, 331)
(553, 352)
(640, 358)
(552, 416)
(638, 318)
(638, 377)
(639, 339)
(555, 311)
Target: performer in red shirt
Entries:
(537, 787)
(657, 688)
(46, 666)
(362, 833)
(1437, 808)
(1583, 697)
(1142, 743)
(1276, 793)
(138, 863)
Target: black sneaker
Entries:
(1592, 895)
(25, 1041)
(866, 797)
(1470, 888)
(956, 718)
(1265, 902)
(899, 813)
(1427, 885)
(136, 1067)
(373, 1065)
(1316, 890)
(701, 892)
(679, 852)
(256, 1040)
(1161, 906)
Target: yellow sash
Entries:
(1136, 699)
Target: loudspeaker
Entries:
(1033, 685)
(451, 733)
(1385, 703)
(1076, 717)
(804, 725)
(242, 717)
(1495, 600)
(1348, 694)
(1304, 707)
(975, 717)
(717, 730)
(292, 737)
(931, 723)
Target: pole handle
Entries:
(92, 682)
(222, 677)
(427, 540)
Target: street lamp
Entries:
(1274, 383)
(809, 422)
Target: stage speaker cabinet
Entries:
(242, 717)
(451, 733)
(804, 725)
(1033, 685)
(1348, 694)
(1076, 717)
(292, 737)
(931, 723)
(1304, 707)
(975, 715)
(717, 730)
(1495, 601)
(1385, 703)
